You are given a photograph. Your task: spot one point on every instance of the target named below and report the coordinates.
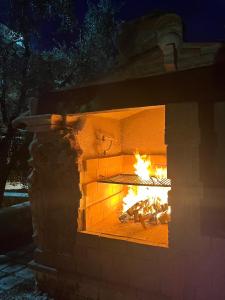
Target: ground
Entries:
(16, 278)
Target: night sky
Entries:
(204, 21)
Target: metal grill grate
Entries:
(132, 179)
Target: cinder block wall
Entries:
(193, 266)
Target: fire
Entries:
(142, 166)
(146, 203)
(161, 172)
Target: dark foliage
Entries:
(26, 70)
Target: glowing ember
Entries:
(146, 203)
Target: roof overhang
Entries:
(204, 84)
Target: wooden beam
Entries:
(199, 84)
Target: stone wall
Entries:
(72, 265)
(54, 193)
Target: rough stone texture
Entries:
(53, 194)
(154, 45)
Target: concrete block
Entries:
(90, 173)
(114, 245)
(145, 275)
(91, 192)
(88, 290)
(88, 240)
(218, 246)
(146, 252)
(110, 294)
(90, 264)
(102, 167)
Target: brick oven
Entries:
(127, 187)
(116, 202)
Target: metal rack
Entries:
(132, 179)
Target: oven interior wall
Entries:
(108, 142)
(90, 137)
(144, 132)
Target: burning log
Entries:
(124, 218)
(153, 209)
(163, 218)
(146, 212)
(142, 220)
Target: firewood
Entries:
(136, 216)
(163, 218)
(143, 211)
(142, 221)
(124, 218)
(130, 211)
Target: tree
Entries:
(26, 70)
(17, 60)
(95, 51)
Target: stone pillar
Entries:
(212, 153)
(183, 140)
(54, 190)
(196, 165)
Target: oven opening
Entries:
(123, 176)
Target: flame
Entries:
(152, 195)
(142, 166)
(161, 172)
